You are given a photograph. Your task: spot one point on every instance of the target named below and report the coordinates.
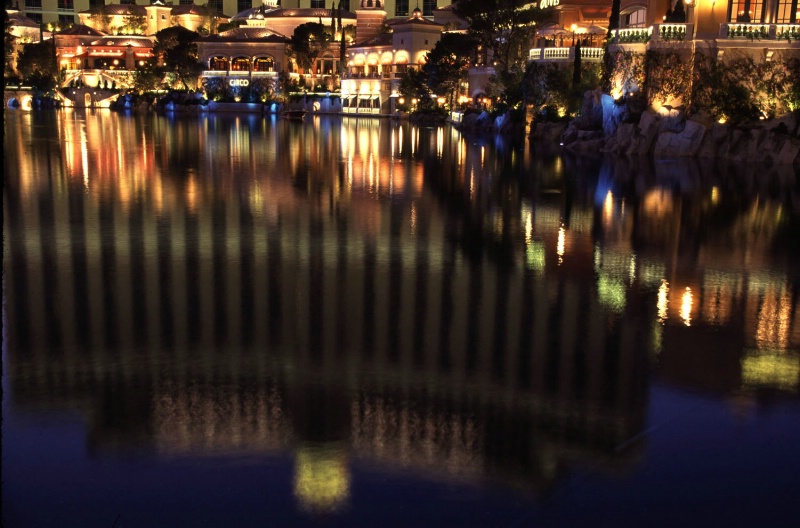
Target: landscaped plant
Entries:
(668, 77)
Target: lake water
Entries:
(245, 321)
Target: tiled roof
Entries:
(81, 30)
(119, 9)
(247, 34)
(381, 39)
(20, 20)
(120, 41)
(306, 13)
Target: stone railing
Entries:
(631, 35)
(745, 31)
(564, 54)
(227, 73)
(672, 32)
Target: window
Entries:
(66, 5)
(788, 12)
(636, 19)
(96, 3)
(746, 11)
(344, 4)
(264, 64)
(65, 21)
(243, 5)
(427, 7)
(36, 17)
(33, 4)
(318, 4)
(401, 8)
(215, 4)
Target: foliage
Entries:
(146, 78)
(719, 89)
(546, 86)
(668, 76)
(677, 15)
(308, 42)
(447, 66)
(627, 72)
(134, 25)
(262, 90)
(36, 64)
(505, 27)
(215, 88)
(99, 18)
(177, 47)
(413, 85)
(8, 44)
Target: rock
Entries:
(680, 144)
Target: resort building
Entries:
(65, 12)
(375, 66)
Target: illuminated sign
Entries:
(239, 82)
(544, 4)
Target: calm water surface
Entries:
(243, 321)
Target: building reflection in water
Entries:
(358, 288)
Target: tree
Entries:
(413, 86)
(506, 27)
(177, 47)
(147, 77)
(99, 18)
(308, 42)
(447, 66)
(608, 64)
(9, 43)
(677, 15)
(37, 66)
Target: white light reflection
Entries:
(562, 236)
(687, 300)
(440, 141)
(85, 158)
(528, 228)
(413, 220)
(663, 303)
(632, 270)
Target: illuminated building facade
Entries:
(376, 65)
(64, 12)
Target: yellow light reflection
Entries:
(632, 269)
(686, 306)
(663, 303)
(715, 195)
(321, 480)
(611, 293)
(775, 370)
(608, 209)
(535, 256)
(774, 318)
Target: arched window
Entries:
(635, 19)
(240, 64)
(264, 64)
(218, 63)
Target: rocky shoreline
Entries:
(601, 129)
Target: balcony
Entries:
(564, 54)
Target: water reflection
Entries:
(366, 290)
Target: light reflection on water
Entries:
(365, 297)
